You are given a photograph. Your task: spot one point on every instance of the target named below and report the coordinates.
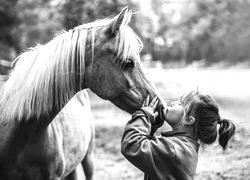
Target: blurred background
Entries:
(188, 45)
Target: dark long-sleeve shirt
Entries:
(173, 155)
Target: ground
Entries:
(231, 91)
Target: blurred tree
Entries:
(179, 30)
(221, 31)
(40, 21)
(76, 12)
(189, 30)
(9, 41)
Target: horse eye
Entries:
(129, 64)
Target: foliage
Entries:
(176, 30)
(191, 30)
(8, 20)
(76, 12)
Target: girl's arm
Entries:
(151, 155)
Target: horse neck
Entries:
(39, 90)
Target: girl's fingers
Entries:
(155, 104)
(152, 102)
(147, 100)
(143, 103)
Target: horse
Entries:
(75, 109)
(103, 56)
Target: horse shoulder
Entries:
(74, 122)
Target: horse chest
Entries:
(32, 157)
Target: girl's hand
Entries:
(150, 107)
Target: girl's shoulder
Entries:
(182, 142)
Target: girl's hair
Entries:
(206, 112)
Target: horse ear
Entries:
(116, 22)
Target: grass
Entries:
(228, 87)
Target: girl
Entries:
(174, 155)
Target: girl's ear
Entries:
(189, 121)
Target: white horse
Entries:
(102, 56)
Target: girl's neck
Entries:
(189, 129)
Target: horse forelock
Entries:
(128, 44)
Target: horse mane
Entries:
(44, 77)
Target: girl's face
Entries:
(175, 113)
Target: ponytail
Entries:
(206, 113)
(226, 131)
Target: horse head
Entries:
(115, 71)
